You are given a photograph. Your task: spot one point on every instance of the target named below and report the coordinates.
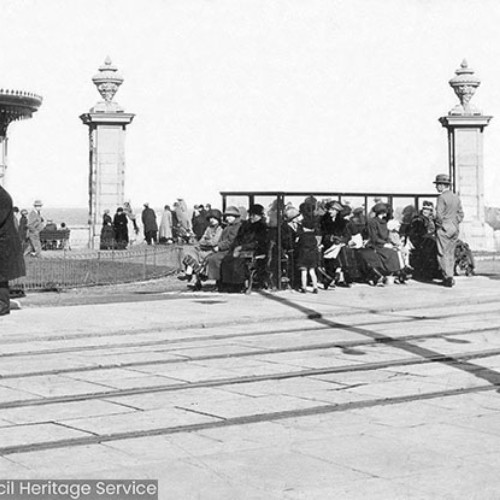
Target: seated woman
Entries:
(252, 236)
(211, 267)
(339, 261)
(423, 256)
(206, 245)
(380, 257)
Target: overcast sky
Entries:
(248, 94)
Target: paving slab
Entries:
(16, 435)
(66, 411)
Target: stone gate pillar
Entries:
(107, 123)
(465, 125)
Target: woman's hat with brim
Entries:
(214, 214)
(256, 210)
(291, 213)
(380, 208)
(442, 179)
(335, 205)
(232, 211)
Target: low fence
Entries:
(61, 269)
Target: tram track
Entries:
(220, 422)
(355, 311)
(458, 360)
(328, 325)
(346, 346)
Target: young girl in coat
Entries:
(307, 254)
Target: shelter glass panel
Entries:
(403, 206)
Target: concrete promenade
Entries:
(360, 393)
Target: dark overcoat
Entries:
(11, 255)
(149, 220)
(251, 236)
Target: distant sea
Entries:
(73, 217)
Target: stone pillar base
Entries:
(478, 235)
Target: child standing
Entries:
(307, 254)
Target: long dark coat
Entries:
(251, 236)
(11, 255)
(149, 220)
(378, 235)
(120, 223)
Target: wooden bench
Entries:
(55, 239)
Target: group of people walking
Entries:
(177, 225)
(330, 244)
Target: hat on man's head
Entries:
(214, 214)
(358, 211)
(442, 179)
(256, 210)
(37, 203)
(232, 211)
(380, 208)
(146, 204)
(428, 204)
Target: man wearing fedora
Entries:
(449, 215)
(35, 226)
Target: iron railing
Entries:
(61, 269)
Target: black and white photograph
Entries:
(249, 250)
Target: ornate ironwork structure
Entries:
(14, 105)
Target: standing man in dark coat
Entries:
(449, 215)
(150, 226)
(11, 254)
(120, 225)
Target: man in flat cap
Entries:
(449, 215)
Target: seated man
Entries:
(252, 236)
(210, 239)
(50, 226)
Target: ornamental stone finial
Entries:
(107, 81)
(464, 84)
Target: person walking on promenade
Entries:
(107, 240)
(449, 215)
(129, 212)
(23, 229)
(120, 224)
(148, 218)
(35, 226)
(199, 221)
(166, 225)
(11, 255)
